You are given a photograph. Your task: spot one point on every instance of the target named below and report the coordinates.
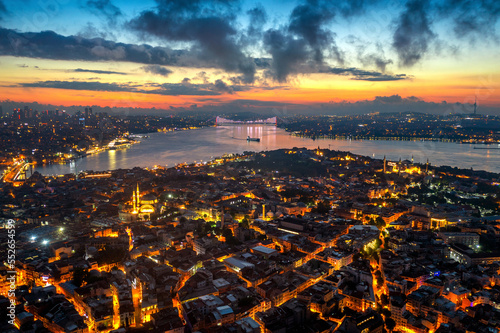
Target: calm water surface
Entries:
(168, 149)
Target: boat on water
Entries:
(253, 139)
(119, 143)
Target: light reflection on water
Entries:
(168, 149)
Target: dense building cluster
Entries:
(466, 128)
(292, 240)
(54, 136)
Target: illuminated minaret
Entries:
(427, 166)
(135, 199)
(385, 165)
(412, 159)
(399, 167)
(134, 204)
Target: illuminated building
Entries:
(140, 208)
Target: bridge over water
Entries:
(220, 121)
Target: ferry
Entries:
(119, 143)
(253, 139)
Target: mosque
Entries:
(138, 209)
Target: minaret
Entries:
(399, 167)
(475, 105)
(133, 201)
(385, 165)
(412, 159)
(134, 204)
(137, 200)
(427, 166)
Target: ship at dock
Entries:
(120, 143)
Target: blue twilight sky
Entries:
(302, 52)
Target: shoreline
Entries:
(219, 147)
(389, 138)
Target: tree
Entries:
(227, 233)
(379, 222)
(245, 223)
(261, 237)
(386, 312)
(384, 299)
(322, 208)
(79, 275)
(390, 324)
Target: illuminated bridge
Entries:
(219, 121)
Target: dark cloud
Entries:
(413, 33)
(97, 71)
(252, 38)
(387, 104)
(384, 77)
(90, 31)
(180, 89)
(104, 8)
(288, 54)
(380, 62)
(304, 43)
(472, 19)
(354, 7)
(307, 21)
(156, 69)
(202, 76)
(169, 89)
(49, 45)
(78, 85)
(364, 75)
(262, 62)
(208, 26)
(3, 10)
(258, 17)
(388, 99)
(376, 59)
(222, 87)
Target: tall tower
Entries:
(385, 165)
(137, 199)
(475, 105)
(399, 167)
(134, 204)
(427, 166)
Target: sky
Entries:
(330, 57)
